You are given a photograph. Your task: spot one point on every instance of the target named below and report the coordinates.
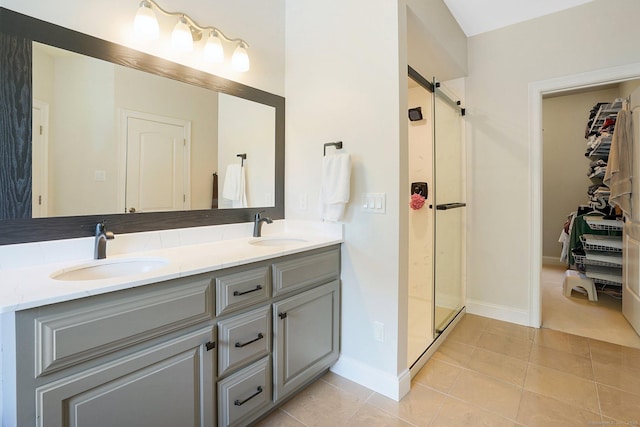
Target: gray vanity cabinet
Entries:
(306, 337)
(215, 349)
(285, 341)
(166, 385)
(137, 357)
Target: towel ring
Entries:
(337, 144)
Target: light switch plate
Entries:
(374, 202)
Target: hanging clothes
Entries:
(618, 173)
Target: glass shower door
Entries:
(449, 193)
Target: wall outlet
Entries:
(303, 202)
(378, 331)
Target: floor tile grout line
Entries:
(391, 413)
(481, 407)
(371, 392)
(571, 405)
(437, 412)
(455, 382)
(294, 417)
(593, 371)
(362, 402)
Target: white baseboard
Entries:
(498, 312)
(555, 261)
(381, 382)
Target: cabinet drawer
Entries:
(243, 395)
(242, 289)
(74, 332)
(304, 271)
(243, 339)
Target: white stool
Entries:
(575, 279)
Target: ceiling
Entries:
(479, 16)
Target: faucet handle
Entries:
(100, 227)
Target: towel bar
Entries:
(337, 144)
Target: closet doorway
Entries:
(568, 176)
(437, 214)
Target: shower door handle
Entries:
(447, 206)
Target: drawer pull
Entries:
(282, 315)
(242, 402)
(236, 293)
(260, 336)
(210, 345)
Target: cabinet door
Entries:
(306, 337)
(170, 385)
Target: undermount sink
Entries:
(109, 268)
(275, 241)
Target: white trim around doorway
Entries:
(536, 91)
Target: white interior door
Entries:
(631, 233)
(157, 172)
(39, 181)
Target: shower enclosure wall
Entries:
(437, 230)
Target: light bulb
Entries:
(145, 23)
(181, 37)
(240, 58)
(213, 51)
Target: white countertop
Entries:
(25, 285)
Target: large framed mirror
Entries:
(95, 131)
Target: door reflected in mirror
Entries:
(110, 139)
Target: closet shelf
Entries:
(594, 242)
(599, 223)
(598, 258)
(605, 274)
(605, 111)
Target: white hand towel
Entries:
(234, 186)
(334, 194)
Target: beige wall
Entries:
(83, 135)
(502, 64)
(146, 93)
(256, 141)
(436, 47)
(565, 167)
(350, 84)
(85, 98)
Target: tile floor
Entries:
(489, 373)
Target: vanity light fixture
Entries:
(145, 23)
(181, 38)
(213, 50)
(240, 58)
(186, 32)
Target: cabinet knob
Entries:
(282, 315)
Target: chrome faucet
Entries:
(257, 223)
(102, 235)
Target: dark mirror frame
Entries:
(17, 32)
